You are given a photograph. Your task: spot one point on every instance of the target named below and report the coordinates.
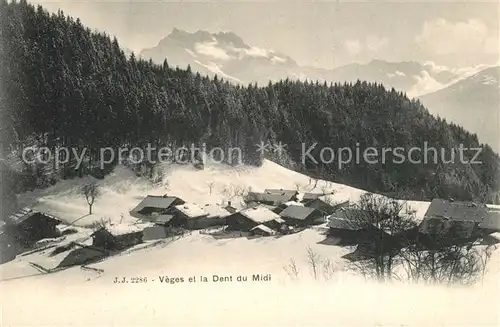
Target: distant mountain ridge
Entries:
(473, 103)
(227, 55)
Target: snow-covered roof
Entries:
(311, 196)
(122, 229)
(26, 213)
(191, 210)
(215, 210)
(293, 203)
(297, 212)
(279, 220)
(152, 201)
(259, 214)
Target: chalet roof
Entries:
(81, 256)
(259, 214)
(345, 224)
(351, 214)
(257, 204)
(311, 196)
(293, 203)
(192, 210)
(297, 212)
(26, 213)
(121, 229)
(264, 228)
(163, 219)
(152, 201)
(290, 193)
(230, 209)
(456, 210)
(275, 198)
(215, 210)
(279, 220)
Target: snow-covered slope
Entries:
(217, 184)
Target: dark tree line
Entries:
(65, 85)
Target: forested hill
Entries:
(66, 85)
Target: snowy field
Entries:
(77, 297)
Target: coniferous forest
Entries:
(63, 84)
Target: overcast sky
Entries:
(323, 34)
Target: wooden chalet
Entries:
(192, 216)
(262, 230)
(272, 197)
(29, 226)
(249, 218)
(152, 204)
(454, 222)
(117, 237)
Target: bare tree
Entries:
(450, 255)
(328, 269)
(464, 263)
(210, 186)
(233, 191)
(91, 193)
(314, 260)
(291, 269)
(383, 231)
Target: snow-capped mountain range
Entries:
(473, 103)
(228, 56)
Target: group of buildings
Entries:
(268, 213)
(445, 223)
(272, 212)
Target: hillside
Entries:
(472, 103)
(86, 95)
(122, 190)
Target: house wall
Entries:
(36, 228)
(239, 222)
(128, 240)
(204, 222)
(258, 232)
